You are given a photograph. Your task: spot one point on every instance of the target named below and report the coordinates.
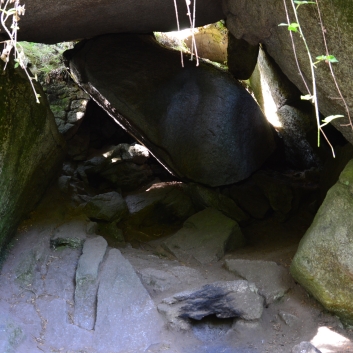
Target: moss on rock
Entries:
(31, 150)
(323, 263)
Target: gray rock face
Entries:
(157, 281)
(198, 121)
(71, 20)
(280, 101)
(125, 310)
(31, 149)
(272, 280)
(107, 207)
(305, 347)
(86, 282)
(258, 23)
(323, 263)
(205, 237)
(233, 299)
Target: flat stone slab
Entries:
(272, 280)
(228, 299)
(157, 281)
(205, 237)
(86, 281)
(127, 318)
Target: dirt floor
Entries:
(293, 318)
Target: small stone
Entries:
(288, 319)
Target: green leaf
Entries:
(328, 119)
(329, 58)
(293, 27)
(303, 2)
(16, 65)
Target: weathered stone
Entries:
(272, 280)
(135, 153)
(250, 198)
(111, 231)
(211, 42)
(280, 196)
(71, 20)
(242, 57)
(233, 299)
(107, 207)
(31, 150)
(305, 347)
(157, 281)
(292, 117)
(162, 208)
(125, 310)
(72, 234)
(120, 166)
(323, 263)
(198, 121)
(205, 237)
(86, 282)
(288, 318)
(128, 175)
(206, 197)
(258, 23)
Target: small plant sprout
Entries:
(302, 3)
(326, 58)
(14, 13)
(291, 26)
(328, 119)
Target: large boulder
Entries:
(257, 22)
(31, 149)
(198, 121)
(52, 22)
(323, 263)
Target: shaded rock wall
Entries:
(257, 22)
(52, 22)
(31, 150)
